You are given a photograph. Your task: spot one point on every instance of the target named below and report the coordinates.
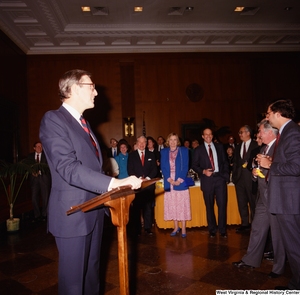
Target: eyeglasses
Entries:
(268, 113)
(241, 132)
(91, 84)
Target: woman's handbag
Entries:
(188, 181)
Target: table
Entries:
(197, 207)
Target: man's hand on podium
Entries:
(131, 180)
(118, 188)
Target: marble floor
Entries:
(159, 264)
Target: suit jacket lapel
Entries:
(74, 124)
(249, 149)
(270, 153)
(207, 160)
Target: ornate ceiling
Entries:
(112, 26)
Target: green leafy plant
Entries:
(13, 175)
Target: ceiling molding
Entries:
(59, 27)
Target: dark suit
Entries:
(143, 200)
(40, 186)
(213, 186)
(161, 147)
(262, 221)
(110, 152)
(242, 179)
(76, 177)
(157, 159)
(284, 195)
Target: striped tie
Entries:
(87, 130)
(211, 158)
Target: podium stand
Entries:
(118, 200)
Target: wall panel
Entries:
(13, 101)
(236, 88)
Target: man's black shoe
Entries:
(241, 263)
(273, 275)
(269, 255)
(148, 232)
(243, 228)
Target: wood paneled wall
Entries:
(237, 87)
(13, 100)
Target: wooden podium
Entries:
(118, 200)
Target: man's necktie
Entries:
(276, 144)
(265, 149)
(87, 130)
(244, 151)
(38, 161)
(142, 158)
(115, 153)
(211, 158)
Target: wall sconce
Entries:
(129, 126)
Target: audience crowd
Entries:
(248, 164)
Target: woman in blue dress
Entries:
(174, 166)
(122, 159)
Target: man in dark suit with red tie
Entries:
(284, 183)
(242, 178)
(142, 164)
(210, 162)
(75, 162)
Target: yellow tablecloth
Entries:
(197, 208)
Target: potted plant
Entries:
(12, 177)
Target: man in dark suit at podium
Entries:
(75, 162)
(142, 164)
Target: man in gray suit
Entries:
(263, 219)
(241, 177)
(75, 162)
(284, 183)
